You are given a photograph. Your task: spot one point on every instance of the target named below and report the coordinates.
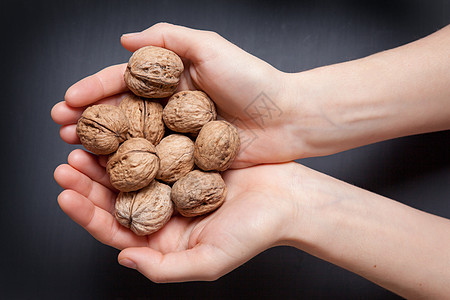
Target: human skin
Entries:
(395, 93)
(398, 247)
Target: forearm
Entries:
(400, 248)
(394, 93)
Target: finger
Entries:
(64, 114)
(68, 116)
(68, 134)
(195, 45)
(105, 83)
(173, 236)
(199, 263)
(88, 164)
(98, 222)
(186, 82)
(103, 160)
(70, 178)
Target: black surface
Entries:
(48, 45)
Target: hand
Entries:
(229, 75)
(324, 111)
(252, 219)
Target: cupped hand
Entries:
(251, 220)
(247, 91)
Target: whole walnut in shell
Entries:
(133, 166)
(153, 72)
(198, 193)
(176, 157)
(101, 128)
(146, 210)
(188, 111)
(216, 146)
(144, 117)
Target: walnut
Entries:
(176, 157)
(133, 166)
(101, 128)
(145, 211)
(188, 111)
(153, 72)
(144, 117)
(216, 146)
(198, 193)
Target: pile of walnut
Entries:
(155, 172)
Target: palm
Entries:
(246, 202)
(234, 231)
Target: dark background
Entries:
(49, 45)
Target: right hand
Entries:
(230, 76)
(256, 215)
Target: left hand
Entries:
(233, 79)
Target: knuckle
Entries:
(157, 278)
(162, 25)
(213, 276)
(212, 34)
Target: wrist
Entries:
(300, 116)
(280, 207)
(310, 213)
(327, 115)
(316, 119)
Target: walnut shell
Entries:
(188, 111)
(144, 117)
(198, 193)
(153, 72)
(176, 157)
(216, 146)
(145, 211)
(133, 166)
(101, 128)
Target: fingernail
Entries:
(128, 263)
(130, 34)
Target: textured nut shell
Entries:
(145, 211)
(153, 72)
(101, 128)
(198, 193)
(133, 166)
(216, 146)
(188, 111)
(144, 117)
(176, 157)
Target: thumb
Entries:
(188, 43)
(199, 263)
